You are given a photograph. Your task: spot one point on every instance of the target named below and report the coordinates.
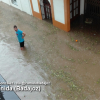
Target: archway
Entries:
(46, 9)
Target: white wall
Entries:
(23, 5)
(59, 10)
(6, 1)
(35, 6)
(18, 6)
(26, 6)
(82, 7)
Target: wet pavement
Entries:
(4, 94)
(50, 55)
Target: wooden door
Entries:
(47, 9)
(74, 9)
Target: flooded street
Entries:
(50, 55)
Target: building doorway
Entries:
(74, 9)
(46, 10)
(92, 9)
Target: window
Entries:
(14, 2)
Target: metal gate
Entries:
(92, 8)
(74, 9)
(45, 9)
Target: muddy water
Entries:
(50, 55)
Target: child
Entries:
(20, 35)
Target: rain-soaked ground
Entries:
(51, 55)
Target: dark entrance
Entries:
(92, 9)
(74, 9)
(46, 9)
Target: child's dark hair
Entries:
(15, 26)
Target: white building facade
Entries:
(23, 5)
(61, 12)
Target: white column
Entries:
(82, 7)
(26, 6)
(59, 11)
